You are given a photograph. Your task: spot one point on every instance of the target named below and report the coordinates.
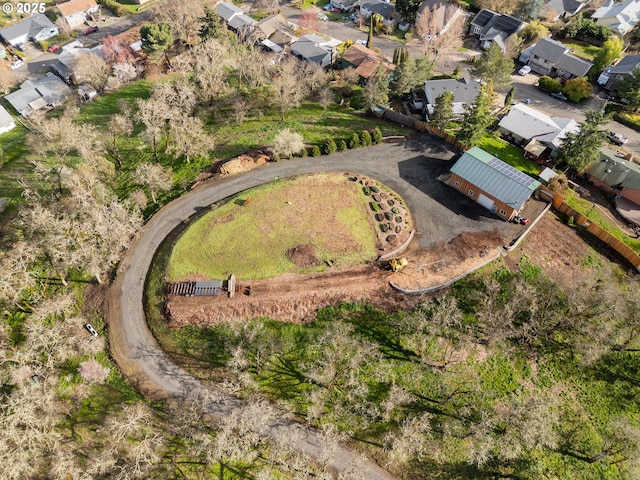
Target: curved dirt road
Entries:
(402, 166)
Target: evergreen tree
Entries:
(494, 67)
(365, 138)
(330, 147)
(404, 78)
(354, 141)
(211, 25)
(400, 55)
(580, 150)
(443, 110)
(376, 135)
(408, 8)
(477, 118)
(423, 70)
(156, 38)
(509, 96)
(376, 91)
(629, 88)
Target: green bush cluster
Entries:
(587, 29)
(342, 146)
(354, 141)
(550, 85)
(365, 138)
(315, 151)
(114, 7)
(374, 189)
(376, 136)
(374, 206)
(366, 191)
(330, 147)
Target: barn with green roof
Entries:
(492, 183)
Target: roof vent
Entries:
(608, 170)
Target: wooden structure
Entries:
(194, 289)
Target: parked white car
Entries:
(322, 16)
(17, 64)
(524, 70)
(90, 329)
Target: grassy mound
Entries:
(254, 233)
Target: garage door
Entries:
(486, 202)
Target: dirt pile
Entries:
(244, 163)
(303, 256)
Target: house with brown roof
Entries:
(365, 61)
(276, 29)
(77, 12)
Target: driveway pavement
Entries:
(410, 167)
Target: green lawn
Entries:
(583, 49)
(251, 233)
(14, 165)
(508, 153)
(594, 214)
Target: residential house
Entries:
(345, 5)
(365, 61)
(67, 61)
(491, 27)
(524, 124)
(274, 32)
(614, 74)
(34, 95)
(620, 17)
(315, 49)
(386, 9)
(464, 92)
(235, 18)
(492, 183)
(621, 177)
(6, 121)
(557, 9)
(553, 58)
(77, 12)
(36, 28)
(442, 16)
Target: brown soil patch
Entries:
(303, 256)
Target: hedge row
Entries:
(362, 139)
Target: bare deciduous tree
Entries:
(92, 371)
(155, 178)
(188, 138)
(287, 142)
(92, 70)
(183, 17)
(441, 32)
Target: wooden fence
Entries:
(416, 124)
(558, 200)
(605, 237)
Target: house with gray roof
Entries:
(382, 7)
(492, 183)
(524, 124)
(620, 17)
(36, 28)
(553, 58)
(614, 74)
(618, 175)
(315, 49)
(491, 27)
(6, 121)
(36, 94)
(464, 92)
(557, 9)
(68, 59)
(235, 18)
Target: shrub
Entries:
(388, 215)
(304, 152)
(342, 146)
(366, 191)
(550, 85)
(376, 136)
(114, 7)
(394, 209)
(391, 203)
(330, 147)
(374, 206)
(315, 151)
(354, 141)
(384, 227)
(43, 45)
(379, 217)
(365, 138)
(398, 219)
(577, 89)
(287, 142)
(374, 189)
